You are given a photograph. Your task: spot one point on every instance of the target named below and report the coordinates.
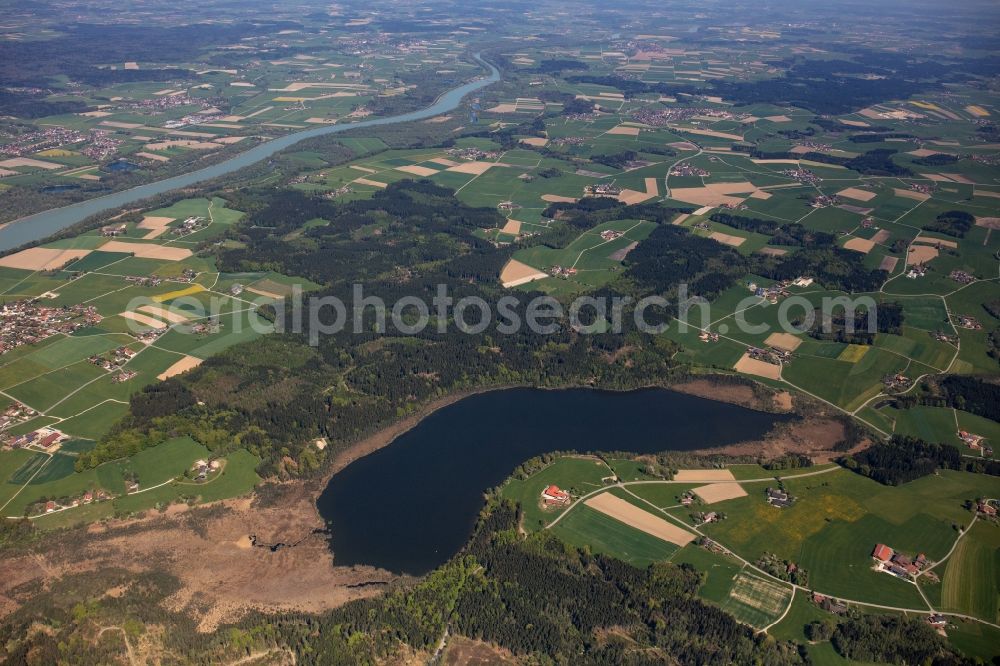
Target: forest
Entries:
(904, 458)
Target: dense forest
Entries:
(904, 458)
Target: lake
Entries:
(44, 224)
(412, 505)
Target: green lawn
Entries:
(971, 581)
(585, 527)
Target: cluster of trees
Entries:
(857, 327)
(935, 160)
(970, 393)
(831, 266)
(887, 639)
(902, 459)
(952, 223)
(877, 163)
(621, 159)
(791, 233)
(672, 255)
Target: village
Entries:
(25, 322)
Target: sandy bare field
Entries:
(680, 218)
(785, 341)
(512, 227)
(881, 236)
(624, 130)
(558, 198)
(855, 193)
(911, 194)
(761, 194)
(778, 119)
(862, 245)
(154, 222)
(752, 366)
(157, 226)
(516, 273)
(713, 133)
(368, 181)
(988, 222)
(537, 141)
(28, 162)
(727, 239)
(920, 254)
(147, 250)
(936, 177)
(959, 178)
(888, 264)
(476, 168)
(264, 293)
(502, 108)
(703, 475)
(653, 186)
(182, 143)
(151, 156)
(977, 111)
(146, 320)
(633, 516)
(702, 196)
(361, 168)
(682, 145)
(41, 258)
(926, 240)
(632, 197)
(773, 251)
(162, 313)
(719, 492)
(732, 188)
(922, 152)
(416, 170)
(183, 365)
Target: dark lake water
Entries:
(412, 505)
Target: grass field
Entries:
(837, 519)
(971, 581)
(578, 476)
(584, 527)
(755, 600)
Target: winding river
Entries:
(40, 225)
(410, 506)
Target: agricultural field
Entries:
(829, 531)
(159, 473)
(144, 307)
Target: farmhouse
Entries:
(986, 508)
(882, 553)
(114, 230)
(553, 495)
(779, 498)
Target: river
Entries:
(44, 224)
(412, 505)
